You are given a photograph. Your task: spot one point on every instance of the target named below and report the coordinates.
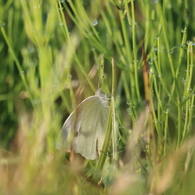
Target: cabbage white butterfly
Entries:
(86, 127)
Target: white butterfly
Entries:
(86, 127)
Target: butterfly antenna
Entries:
(100, 82)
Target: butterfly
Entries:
(85, 128)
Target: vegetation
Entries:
(55, 53)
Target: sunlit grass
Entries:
(54, 54)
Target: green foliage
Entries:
(55, 53)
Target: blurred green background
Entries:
(54, 54)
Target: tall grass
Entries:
(54, 54)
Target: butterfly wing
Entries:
(71, 126)
(91, 130)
